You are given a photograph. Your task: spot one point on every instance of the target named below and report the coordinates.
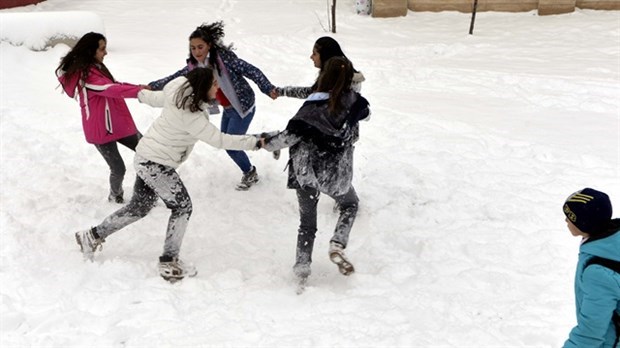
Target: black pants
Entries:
(308, 199)
(113, 158)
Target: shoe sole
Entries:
(344, 266)
(244, 187)
(176, 279)
(87, 256)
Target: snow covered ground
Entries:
(473, 145)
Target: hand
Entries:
(145, 87)
(274, 94)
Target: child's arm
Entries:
(281, 140)
(294, 92)
(599, 301)
(158, 85)
(112, 90)
(199, 126)
(250, 71)
(152, 98)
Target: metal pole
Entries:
(334, 17)
(473, 18)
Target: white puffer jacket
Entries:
(172, 135)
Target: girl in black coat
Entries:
(321, 137)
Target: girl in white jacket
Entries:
(183, 121)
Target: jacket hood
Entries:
(69, 83)
(355, 109)
(608, 248)
(358, 77)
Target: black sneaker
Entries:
(247, 180)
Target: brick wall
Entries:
(393, 8)
(17, 3)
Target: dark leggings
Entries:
(308, 199)
(113, 158)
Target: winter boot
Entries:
(172, 269)
(89, 241)
(112, 198)
(302, 270)
(337, 256)
(247, 180)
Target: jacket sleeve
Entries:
(158, 85)
(199, 126)
(248, 70)
(294, 92)
(600, 298)
(281, 140)
(105, 88)
(152, 98)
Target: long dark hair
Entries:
(193, 92)
(335, 78)
(82, 57)
(212, 34)
(328, 48)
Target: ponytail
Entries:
(335, 78)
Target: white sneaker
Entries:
(337, 256)
(88, 243)
(173, 269)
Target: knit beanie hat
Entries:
(589, 210)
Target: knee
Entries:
(349, 207)
(119, 168)
(142, 204)
(182, 207)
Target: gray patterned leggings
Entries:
(154, 180)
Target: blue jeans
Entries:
(232, 123)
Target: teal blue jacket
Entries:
(597, 296)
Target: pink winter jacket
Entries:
(105, 116)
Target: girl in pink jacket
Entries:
(106, 119)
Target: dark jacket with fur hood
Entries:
(321, 145)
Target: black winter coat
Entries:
(321, 145)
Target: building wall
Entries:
(17, 3)
(544, 7)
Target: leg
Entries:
(232, 123)
(308, 199)
(131, 141)
(167, 184)
(347, 204)
(113, 158)
(141, 203)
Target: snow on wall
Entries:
(46, 29)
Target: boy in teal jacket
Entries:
(597, 287)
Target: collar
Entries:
(318, 96)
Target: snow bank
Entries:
(40, 30)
